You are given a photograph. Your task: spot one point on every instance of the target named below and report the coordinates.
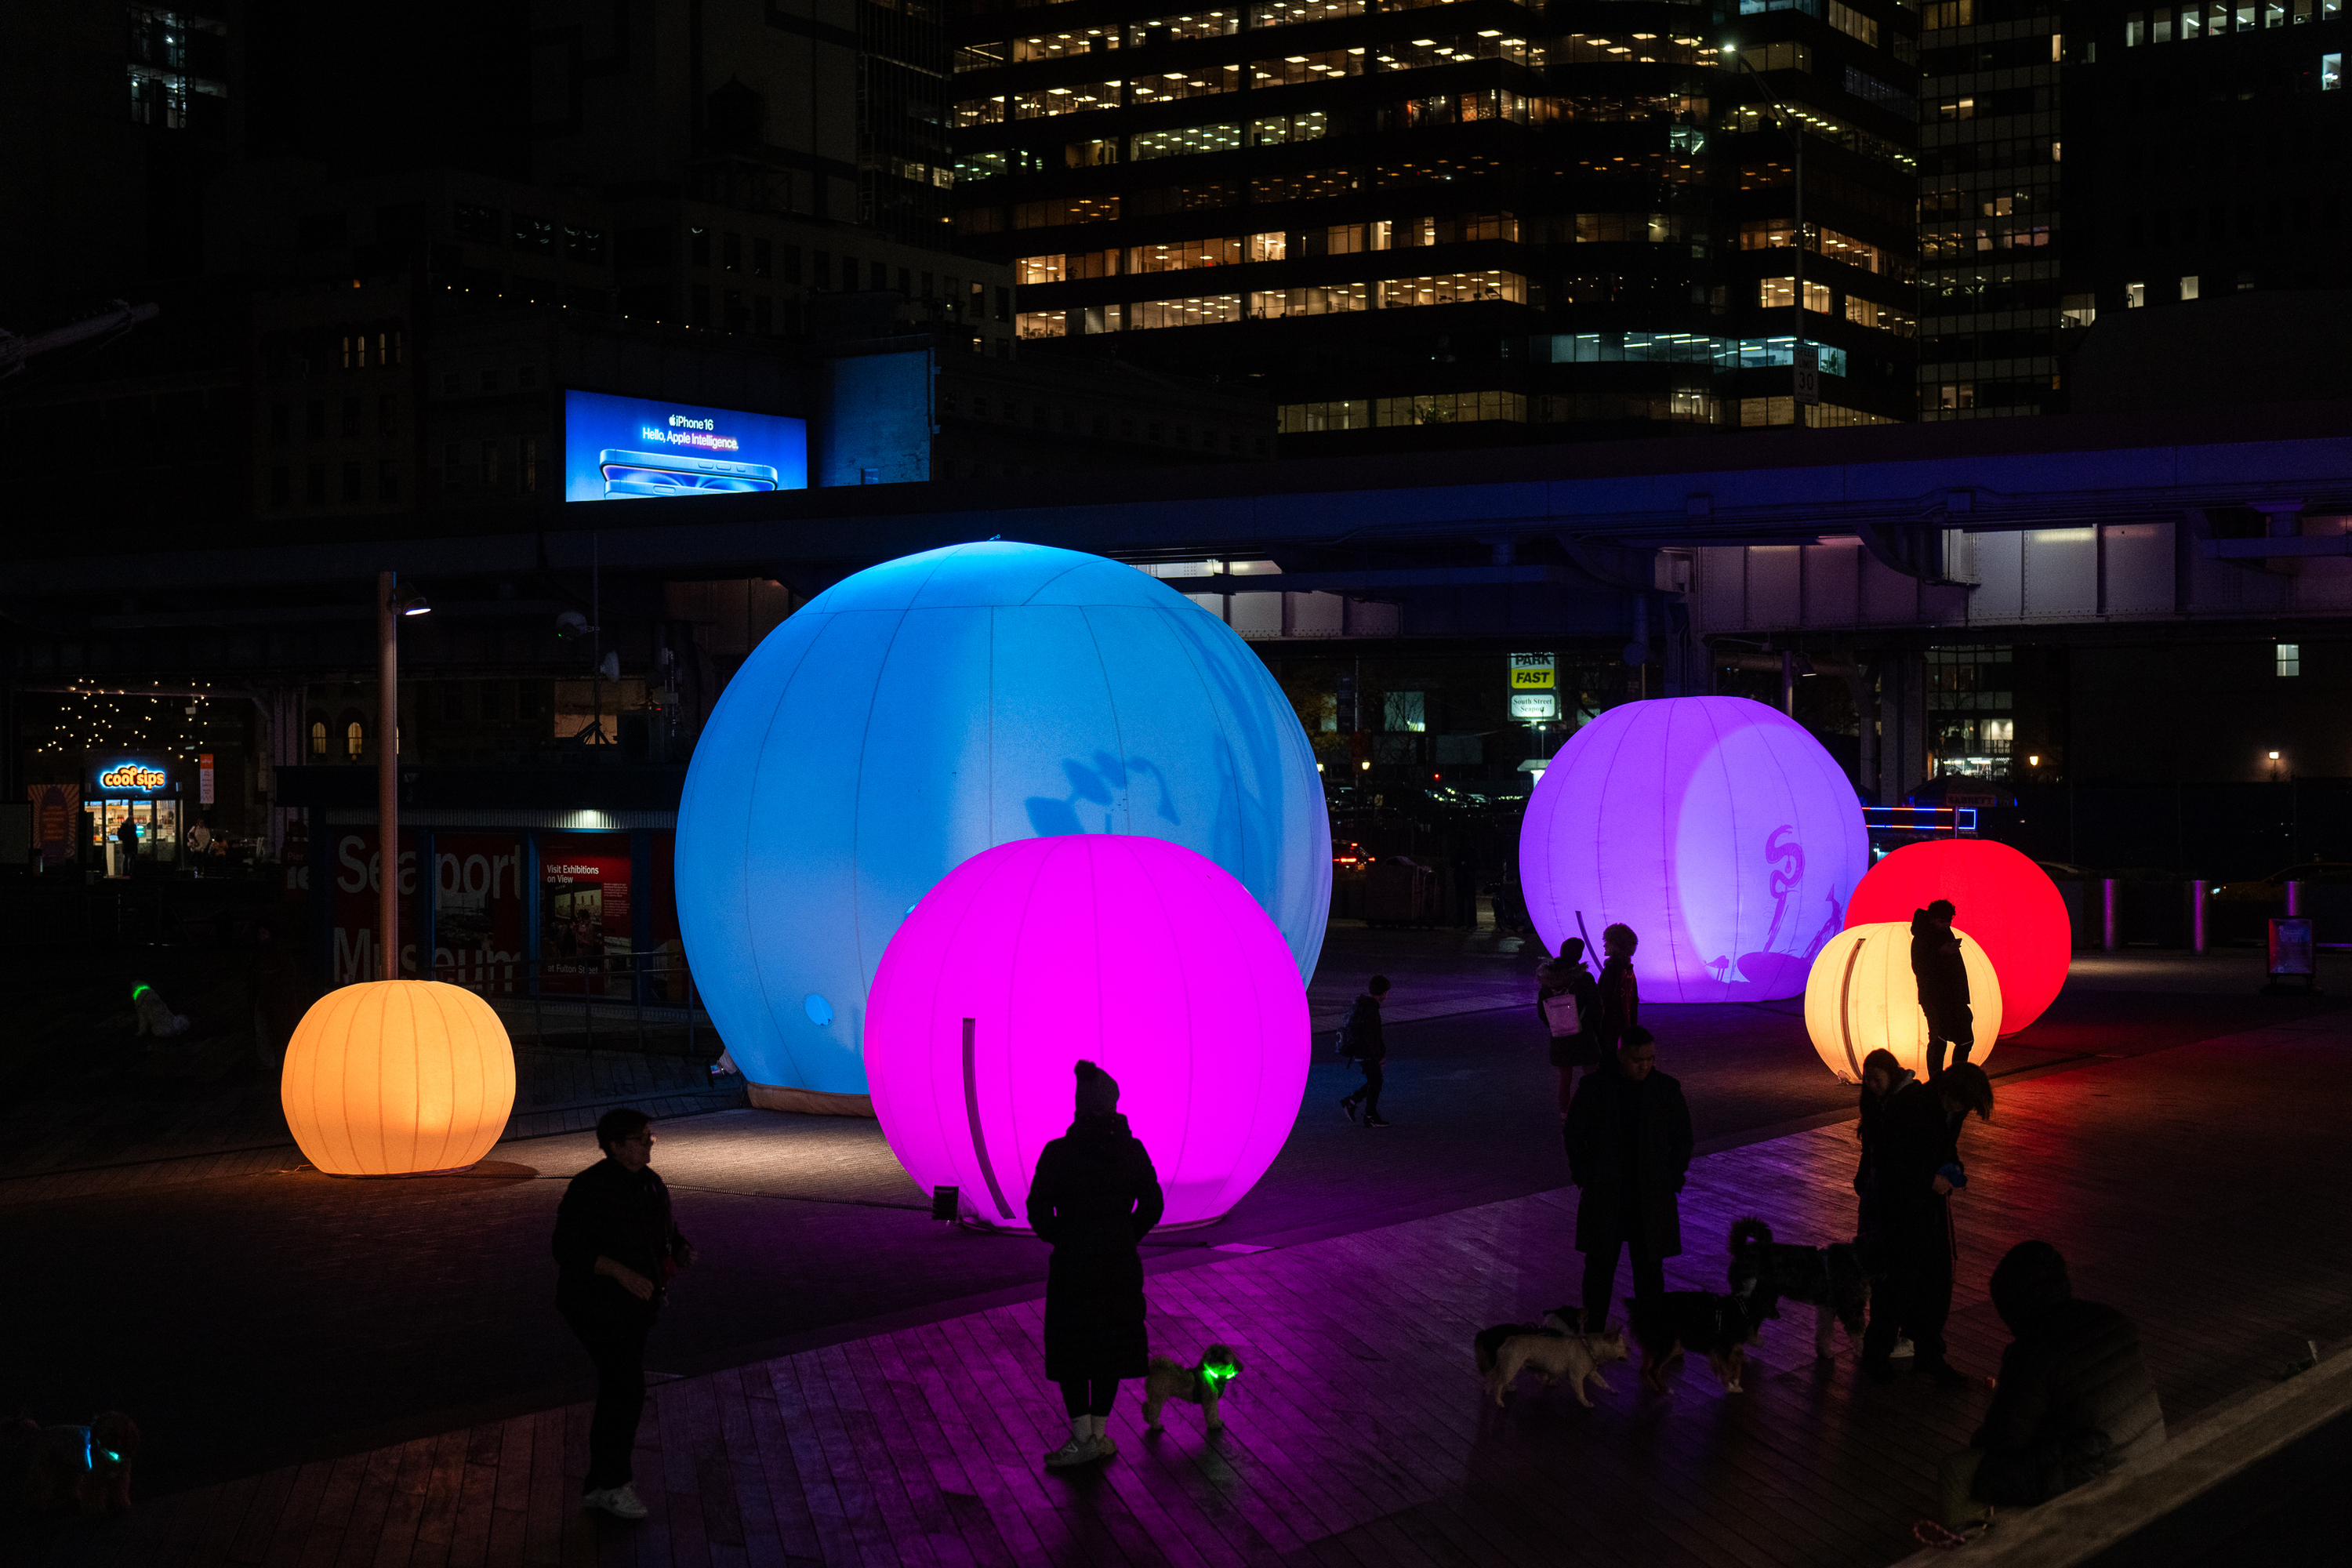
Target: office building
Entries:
(2209, 151)
(1456, 224)
(1993, 302)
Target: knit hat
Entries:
(2029, 1281)
(1097, 1091)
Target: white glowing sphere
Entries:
(1714, 826)
(1861, 998)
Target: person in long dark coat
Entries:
(1095, 1196)
(1629, 1150)
(1914, 1167)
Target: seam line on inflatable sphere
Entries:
(1117, 732)
(972, 1110)
(856, 824)
(829, 627)
(1845, 1011)
(1031, 597)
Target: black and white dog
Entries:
(1834, 1280)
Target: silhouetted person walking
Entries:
(1628, 1148)
(1095, 1197)
(1361, 1038)
(616, 1246)
(1943, 978)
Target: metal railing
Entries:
(643, 999)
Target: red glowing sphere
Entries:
(2005, 902)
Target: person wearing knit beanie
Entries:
(1094, 1198)
(1097, 1091)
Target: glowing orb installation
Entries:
(929, 709)
(2007, 901)
(393, 1077)
(1136, 953)
(1714, 826)
(1863, 997)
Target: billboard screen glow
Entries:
(630, 449)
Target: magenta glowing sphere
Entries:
(1142, 955)
(1714, 826)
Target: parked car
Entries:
(2271, 890)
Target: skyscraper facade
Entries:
(1993, 302)
(1471, 222)
(2216, 134)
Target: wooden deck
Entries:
(2182, 1185)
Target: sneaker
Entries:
(1074, 1452)
(621, 1501)
(1349, 1107)
(1105, 1447)
(1375, 1121)
(1901, 1351)
(1084, 1447)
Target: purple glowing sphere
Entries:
(1142, 956)
(1714, 826)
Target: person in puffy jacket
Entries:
(1943, 977)
(2074, 1400)
(1095, 1197)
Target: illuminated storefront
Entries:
(143, 791)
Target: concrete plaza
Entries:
(268, 1325)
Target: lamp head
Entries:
(409, 602)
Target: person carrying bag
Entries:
(1568, 1000)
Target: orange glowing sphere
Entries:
(1861, 997)
(391, 1078)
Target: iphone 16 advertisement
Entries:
(626, 448)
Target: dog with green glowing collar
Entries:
(1200, 1384)
(84, 1467)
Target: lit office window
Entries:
(2290, 658)
(2331, 73)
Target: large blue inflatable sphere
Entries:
(933, 707)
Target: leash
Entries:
(1928, 1532)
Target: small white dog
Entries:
(1553, 1350)
(154, 1017)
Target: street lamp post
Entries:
(1795, 132)
(391, 604)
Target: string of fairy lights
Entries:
(95, 718)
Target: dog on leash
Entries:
(1554, 1348)
(1201, 1383)
(87, 1469)
(1666, 1325)
(1834, 1280)
(154, 1016)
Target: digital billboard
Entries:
(628, 448)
